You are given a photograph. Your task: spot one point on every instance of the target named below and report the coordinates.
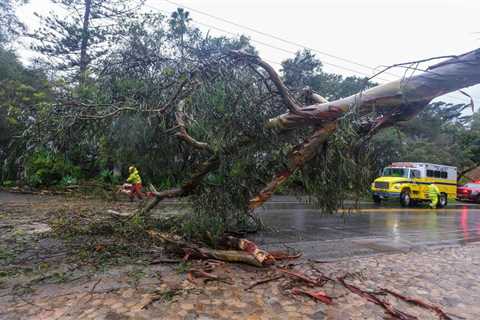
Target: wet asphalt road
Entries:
(370, 230)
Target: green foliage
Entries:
(74, 41)
(107, 176)
(205, 226)
(23, 93)
(8, 183)
(45, 169)
(10, 26)
(68, 181)
(342, 170)
(441, 133)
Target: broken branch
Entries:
(316, 295)
(389, 309)
(257, 283)
(419, 303)
(182, 134)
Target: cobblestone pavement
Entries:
(446, 277)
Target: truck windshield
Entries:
(395, 172)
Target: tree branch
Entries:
(298, 156)
(189, 187)
(451, 75)
(292, 105)
(183, 134)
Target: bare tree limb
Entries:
(292, 105)
(183, 134)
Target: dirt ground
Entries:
(56, 264)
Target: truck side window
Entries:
(414, 174)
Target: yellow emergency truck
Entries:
(408, 183)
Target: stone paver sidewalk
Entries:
(447, 277)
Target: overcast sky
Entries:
(370, 33)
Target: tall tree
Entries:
(10, 25)
(72, 41)
(179, 21)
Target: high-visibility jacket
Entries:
(134, 177)
(433, 191)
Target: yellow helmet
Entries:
(131, 168)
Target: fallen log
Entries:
(264, 257)
(191, 250)
(397, 101)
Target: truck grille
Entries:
(381, 185)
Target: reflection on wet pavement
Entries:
(369, 230)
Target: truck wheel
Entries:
(442, 200)
(405, 199)
(376, 199)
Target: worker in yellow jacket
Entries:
(433, 194)
(136, 181)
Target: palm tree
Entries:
(179, 23)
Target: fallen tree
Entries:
(378, 108)
(207, 119)
(394, 102)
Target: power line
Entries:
(276, 47)
(286, 50)
(276, 37)
(283, 40)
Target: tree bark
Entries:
(451, 75)
(182, 133)
(298, 156)
(84, 43)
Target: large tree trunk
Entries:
(451, 75)
(84, 43)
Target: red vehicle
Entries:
(469, 192)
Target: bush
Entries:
(8, 183)
(46, 169)
(68, 181)
(107, 176)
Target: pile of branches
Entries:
(237, 250)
